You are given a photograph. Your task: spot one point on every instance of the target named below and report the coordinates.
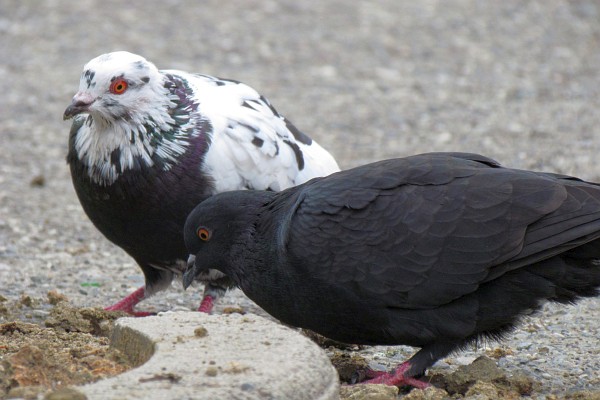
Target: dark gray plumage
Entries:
(434, 251)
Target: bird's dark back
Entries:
(401, 250)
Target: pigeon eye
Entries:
(119, 86)
(203, 233)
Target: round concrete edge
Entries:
(190, 355)
(136, 345)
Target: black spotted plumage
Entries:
(142, 200)
(434, 251)
(142, 156)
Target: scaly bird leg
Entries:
(395, 378)
(127, 304)
(207, 304)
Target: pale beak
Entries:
(81, 103)
(190, 272)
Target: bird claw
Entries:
(395, 378)
(126, 305)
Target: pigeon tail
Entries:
(127, 304)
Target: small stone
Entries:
(584, 395)
(211, 371)
(523, 384)
(25, 392)
(54, 297)
(368, 392)
(38, 181)
(168, 376)
(524, 345)
(499, 352)
(482, 369)
(464, 360)
(483, 390)
(234, 310)
(65, 394)
(430, 393)
(347, 365)
(28, 301)
(40, 313)
(200, 331)
(235, 368)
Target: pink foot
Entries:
(127, 304)
(207, 304)
(395, 378)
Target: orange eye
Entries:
(119, 86)
(203, 233)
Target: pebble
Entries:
(464, 360)
(180, 308)
(524, 345)
(40, 313)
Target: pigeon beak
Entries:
(81, 103)
(190, 272)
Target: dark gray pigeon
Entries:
(433, 251)
(147, 145)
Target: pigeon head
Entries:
(129, 115)
(214, 227)
(119, 86)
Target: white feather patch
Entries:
(248, 143)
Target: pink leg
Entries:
(397, 378)
(127, 304)
(207, 304)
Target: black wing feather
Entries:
(429, 229)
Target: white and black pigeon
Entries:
(147, 145)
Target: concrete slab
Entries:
(188, 355)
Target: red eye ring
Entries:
(203, 233)
(119, 86)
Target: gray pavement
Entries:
(518, 81)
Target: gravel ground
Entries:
(516, 81)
